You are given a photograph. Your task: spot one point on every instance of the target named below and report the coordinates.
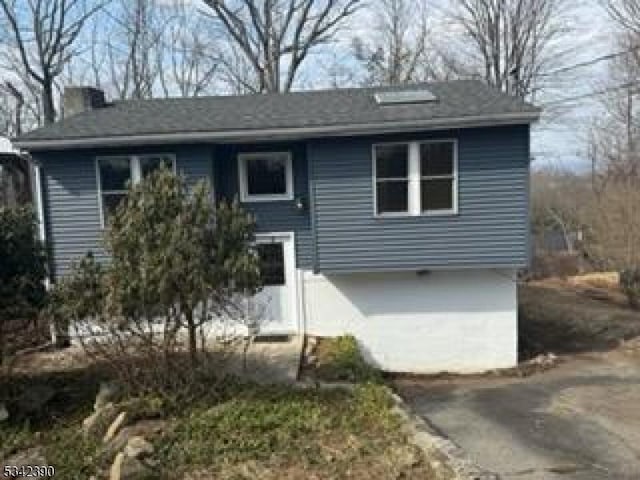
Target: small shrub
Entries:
(630, 285)
(340, 360)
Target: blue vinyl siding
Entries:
(338, 231)
(273, 216)
(72, 208)
(489, 230)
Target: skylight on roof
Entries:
(407, 96)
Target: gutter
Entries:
(287, 133)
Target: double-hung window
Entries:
(415, 178)
(115, 173)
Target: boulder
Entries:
(138, 447)
(406, 456)
(144, 428)
(107, 393)
(114, 427)
(97, 423)
(34, 399)
(4, 413)
(128, 468)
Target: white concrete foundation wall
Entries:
(457, 321)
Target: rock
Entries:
(114, 427)
(407, 456)
(97, 423)
(107, 393)
(138, 447)
(127, 468)
(4, 413)
(115, 473)
(34, 399)
(144, 428)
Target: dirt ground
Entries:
(568, 317)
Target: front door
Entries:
(274, 308)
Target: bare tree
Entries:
(276, 36)
(626, 13)
(514, 41)
(401, 50)
(188, 58)
(130, 49)
(43, 33)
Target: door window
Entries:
(271, 264)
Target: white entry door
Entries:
(274, 308)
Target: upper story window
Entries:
(115, 173)
(392, 178)
(265, 176)
(415, 178)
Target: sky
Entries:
(560, 138)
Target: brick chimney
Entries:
(82, 99)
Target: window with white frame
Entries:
(265, 176)
(415, 178)
(115, 173)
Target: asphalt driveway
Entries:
(578, 421)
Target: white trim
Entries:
(288, 240)
(135, 174)
(242, 177)
(38, 188)
(289, 133)
(414, 178)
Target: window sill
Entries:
(442, 213)
(267, 198)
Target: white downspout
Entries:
(42, 231)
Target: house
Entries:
(399, 215)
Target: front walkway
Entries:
(270, 360)
(580, 421)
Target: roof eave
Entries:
(271, 134)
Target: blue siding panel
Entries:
(277, 216)
(334, 177)
(72, 209)
(489, 230)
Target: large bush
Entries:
(177, 261)
(22, 272)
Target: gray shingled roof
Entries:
(297, 110)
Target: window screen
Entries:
(392, 178)
(115, 174)
(266, 175)
(437, 176)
